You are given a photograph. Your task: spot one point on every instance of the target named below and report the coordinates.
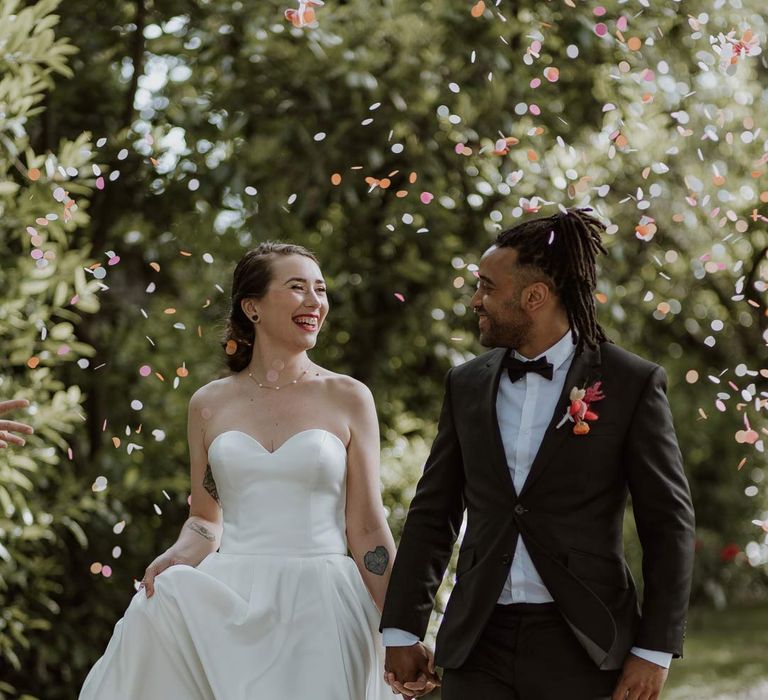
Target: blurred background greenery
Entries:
(145, 145)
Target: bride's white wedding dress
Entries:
(280, 612)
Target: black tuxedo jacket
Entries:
(570, 513)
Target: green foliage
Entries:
(210, 114)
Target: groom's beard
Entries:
(509, 331)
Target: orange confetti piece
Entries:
(231, 347)
(169, 311)
(336, 179)
(532, 156)
(33, 174)
(602, 298)
(185, 253)
(741, 463)
(182, 372)
(155, 266)
(401, 193)
(478, 9)
(385, 183)
(413, 177)
(634, 43)
(116, 442)
(154, 162)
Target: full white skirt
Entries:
(247, 627)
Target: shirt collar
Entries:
(557, 354)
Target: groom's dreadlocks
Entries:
(565, 247)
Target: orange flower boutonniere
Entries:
(579, 412)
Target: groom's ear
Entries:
(535, 295)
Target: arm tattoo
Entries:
(377, 560)
(202, 531)
(209, 484)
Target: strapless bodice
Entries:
(290, 502)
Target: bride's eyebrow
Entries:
(301, 279)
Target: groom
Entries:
(540, 441)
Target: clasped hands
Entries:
(410, 670)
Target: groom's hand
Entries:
(640, 680)
(410, 670)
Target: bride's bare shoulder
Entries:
(344, 387)
(213, 391)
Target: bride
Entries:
(258, 598)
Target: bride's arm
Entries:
(202, 530)
(368, 535)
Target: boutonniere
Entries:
(579, 411)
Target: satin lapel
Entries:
(490, 382)
(584, 368)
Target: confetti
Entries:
(305, 15)
(478, 8)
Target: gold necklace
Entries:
(277, 388)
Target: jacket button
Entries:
(519, 509)
(506, 559)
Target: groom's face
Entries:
(501, 284)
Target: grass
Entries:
(725, 652)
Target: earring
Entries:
(255, 318)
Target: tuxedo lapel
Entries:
(490, 420)
(584, 368)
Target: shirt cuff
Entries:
(393, 637)
(660, 658)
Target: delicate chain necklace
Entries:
(277, 388)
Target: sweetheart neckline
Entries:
(283, 444)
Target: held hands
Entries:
(410, 670)
(640, 680)
(7, 425)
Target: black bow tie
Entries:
(517, 368)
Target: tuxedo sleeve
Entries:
(430, 531)
(661, 503)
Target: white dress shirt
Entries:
(524, 409)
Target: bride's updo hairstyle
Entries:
(251, 279)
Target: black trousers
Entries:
(528, 652)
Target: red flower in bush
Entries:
(729, 552)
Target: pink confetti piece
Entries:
(99, 183)
(622, 23)
(145, 370)
(601, 29)
(426, 197)
(599, 11)
(399, 296)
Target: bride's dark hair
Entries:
(251, 279)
